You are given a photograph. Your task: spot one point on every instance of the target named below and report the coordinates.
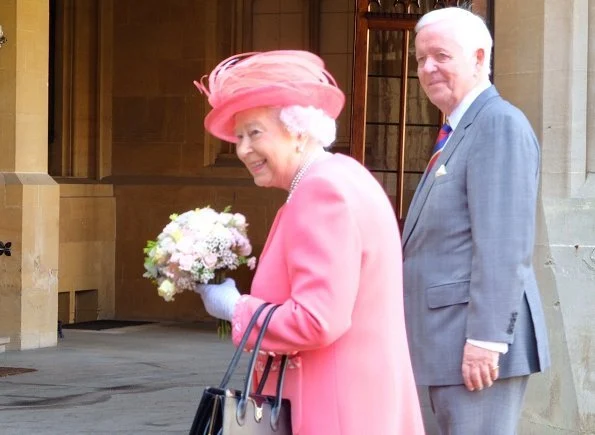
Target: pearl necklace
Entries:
(300, 173)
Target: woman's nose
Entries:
(242, 147)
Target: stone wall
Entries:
(87, 251)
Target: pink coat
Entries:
(333, 260)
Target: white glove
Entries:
(219, 299)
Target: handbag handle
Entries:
(243, 402)
(265, 374)
(240, 349)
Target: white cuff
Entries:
(490, 345)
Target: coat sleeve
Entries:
(502, 185)
(323, 254)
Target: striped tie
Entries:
(440, 141)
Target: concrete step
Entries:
(3, 343)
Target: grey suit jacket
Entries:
(468, 246)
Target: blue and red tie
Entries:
(443, 134)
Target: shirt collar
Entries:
(457, 114)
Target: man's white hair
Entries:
(470, 30)
(311, 121)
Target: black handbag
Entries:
(224, 411)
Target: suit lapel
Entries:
(427, 181)
(424, 187)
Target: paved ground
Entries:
(136, 380)
(142, 379)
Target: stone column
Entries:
(541, 67)
(29, 197)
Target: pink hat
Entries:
(273, 78)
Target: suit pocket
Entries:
(443, 179)
(448, 294)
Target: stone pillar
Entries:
(591, 96)
(29, 197)
(541, 66)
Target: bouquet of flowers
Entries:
(197, 246)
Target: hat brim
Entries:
(220, 120)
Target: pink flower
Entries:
(210, 260)
(245, 248)
(186, 262)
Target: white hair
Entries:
(470, 30)
(311, 121)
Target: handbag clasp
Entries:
(257, 413)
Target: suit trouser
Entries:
(491, 411)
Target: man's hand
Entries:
(480, 367)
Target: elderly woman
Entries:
(332, 259)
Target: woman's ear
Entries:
(301, 141)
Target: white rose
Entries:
(239, 219)
(171, 228)
(225, 218)
(167, 290)
(207, 215)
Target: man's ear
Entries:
(481, 57)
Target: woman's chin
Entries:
(260, 181)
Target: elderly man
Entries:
(474, 316)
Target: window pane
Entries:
(382, 147)
(383, 100)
